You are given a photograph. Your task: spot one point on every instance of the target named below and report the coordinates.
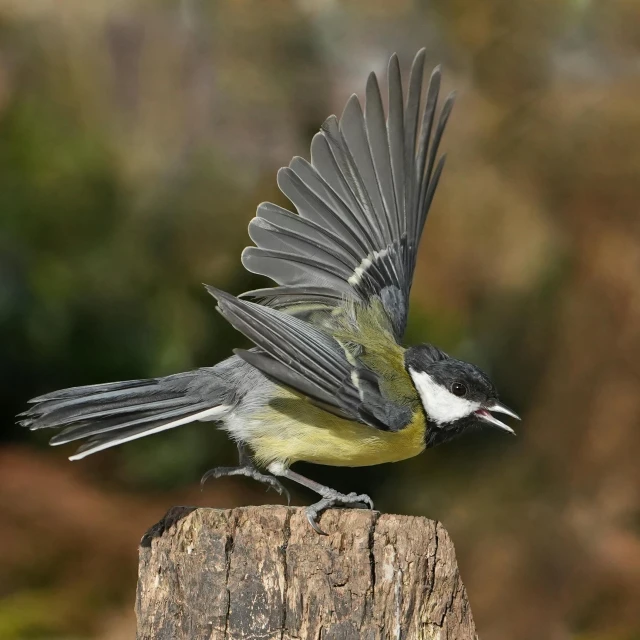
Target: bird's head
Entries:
(457, 396)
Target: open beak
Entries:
(497, 407)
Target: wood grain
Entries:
(262, 573)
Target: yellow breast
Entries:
(291, 429)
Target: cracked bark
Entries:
(261, 573)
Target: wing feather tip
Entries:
(211, 290)
(450, 99)
(421, 54)
(224, 299)
(353, 108)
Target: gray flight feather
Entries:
(378, 139)
(278, 297)
(411, 116)
(395, 127)
(353, 128)
(362, 203)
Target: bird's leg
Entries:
(330, 497)
(247, 468)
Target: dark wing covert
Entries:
(298, 355)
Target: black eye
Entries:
(458, 389)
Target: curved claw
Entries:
(366, 500)
(218, 472)
(354, 499)
(273, 483)
(311, 517)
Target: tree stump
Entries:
(262, 573)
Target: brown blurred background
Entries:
(137, 138)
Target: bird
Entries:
(328, 379)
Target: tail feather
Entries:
(84, 391)
(93, 445)
(116, 412)
(95, 396)
(71, 413)
(86, 429)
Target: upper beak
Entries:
(498, 407)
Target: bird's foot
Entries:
(249, 472)
(332, 498)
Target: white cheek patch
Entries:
(439, 403)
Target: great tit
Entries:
(328, 380)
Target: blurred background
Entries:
(137, 138)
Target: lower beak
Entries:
(497, 407)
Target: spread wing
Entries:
(361, 204)
(298, 355)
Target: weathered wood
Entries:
(263, 573)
